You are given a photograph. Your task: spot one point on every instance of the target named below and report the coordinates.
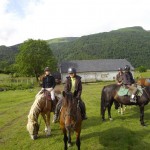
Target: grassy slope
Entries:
(124, 132)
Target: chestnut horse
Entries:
(42, 105)
(70, 119)
(144, 81)
(109, 95)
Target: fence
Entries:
(7, 82)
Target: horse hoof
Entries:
(111, 119)
(69, 144)
(144, 125)
(34, 137)
(48, 135)
(103, 120)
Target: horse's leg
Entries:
(69, 139)
(47, 128)
(109, 111)
(119, 109)
(124, 108)
(44, 118)
(78, 143)
(122, 111)
(48, 124)
(103, 114)
(142, 115)
(65, 139)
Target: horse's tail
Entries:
(103, 100)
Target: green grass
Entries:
(7, 82)
(142, 75)
(124, 132)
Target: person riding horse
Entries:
(49, 84)
(119, 76)
(129, 82)
(73, 84)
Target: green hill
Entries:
(61, 40)
(132, 43)
(7, 56)
(129, 43)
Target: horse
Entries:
(109, 95)
(42, 105)
(144, 81)
(70, 119)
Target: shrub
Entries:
(142, 69)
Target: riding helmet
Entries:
(71, 70)
(127, 68)
(47, 69)
(119, 69)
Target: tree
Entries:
(33, 57)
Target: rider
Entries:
(129, 82)
(73, 84)
(49, 83)
(119, 76)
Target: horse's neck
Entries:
(34, 112)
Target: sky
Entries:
(21, 20)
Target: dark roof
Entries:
(95, 65)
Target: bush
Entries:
(142, 69)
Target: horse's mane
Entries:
(66, 101)
(35, 108)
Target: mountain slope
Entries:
(131, 43)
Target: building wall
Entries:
(94, 76)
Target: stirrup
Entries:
(133, 100)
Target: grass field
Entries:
(124, 132)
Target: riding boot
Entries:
(83, 110)
(57, 110)
(133, 98)
(54, 102)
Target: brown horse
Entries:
(144, 81)
(42, 105)
(70, 119)
(109, 95)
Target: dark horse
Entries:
(70, 119)
(109, 95)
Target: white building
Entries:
(94, 70)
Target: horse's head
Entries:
(70, 105)
(68, 99)
(33, 128)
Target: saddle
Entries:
(47, 95)
(123, 91)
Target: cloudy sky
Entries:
(47, 19)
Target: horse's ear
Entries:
(63, 93)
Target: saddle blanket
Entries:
(125, 91)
